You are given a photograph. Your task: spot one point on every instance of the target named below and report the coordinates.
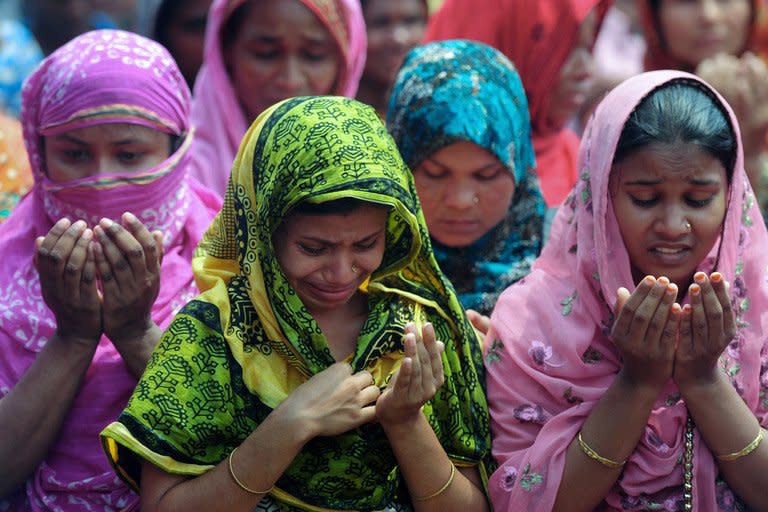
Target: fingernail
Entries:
(87, 234)
(129, 217)
(676, 308)
(649, 280)
(671, 289)
(80, 224)
(695, 290)
(106, 223)
(62, 223)
(716, 277)
(663, 281)
(687, 308)
(700, 277)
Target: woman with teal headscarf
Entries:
(308, 375)
(459, 115)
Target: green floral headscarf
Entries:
(233, 354)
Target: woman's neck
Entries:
(341, 325)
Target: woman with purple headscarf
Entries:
(96, 260)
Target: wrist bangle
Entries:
(744, 451)
(440, 490)
(241, 484)
(592, 454)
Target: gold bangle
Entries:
(592, 454)
(440, 490)
(239, 483)
(728, 457)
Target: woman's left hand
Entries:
(417, 380)
(128, 260)
(708, 325)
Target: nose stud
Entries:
(687, 226)
(475, 199)
(355, 270)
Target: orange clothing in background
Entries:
(15, 174)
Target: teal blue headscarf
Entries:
(452, 91)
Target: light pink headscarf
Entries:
(99, 77)
(216, 109)
(550, 359)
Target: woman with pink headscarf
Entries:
(655, 400)
(259, 52)
(96, 261)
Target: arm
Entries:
(34, 410)
(645, 332)
(331, 402)
(128, 259)
(725, 422)
(427, 470)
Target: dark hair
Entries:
(341, 206)
(234, 23)
(680, 112)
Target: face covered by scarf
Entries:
(247, 342)
(100, 77)
(217, 111)
(452, 91)
(550, 356)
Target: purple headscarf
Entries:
(100, 77)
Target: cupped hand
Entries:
(708, 325)
(416, 382)
(65, 263)
(479, 321)
(744, 84)
(332, 402)
(645, 332)
(128, 259)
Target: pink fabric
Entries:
(216, 110)
(102, 76)
(549, 357)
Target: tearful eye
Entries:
(367, 245)
(310, 250)
(700, 203)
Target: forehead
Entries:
(464, 157)
(113, 132)
(360, 222)
(282, 17)
(665, 163)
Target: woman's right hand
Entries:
(67, 269)
(333, 401)
(645, 332)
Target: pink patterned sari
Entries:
(100, 77)
(550, 359)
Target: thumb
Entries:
(622, 296)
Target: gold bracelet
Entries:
(440, 490)
(744, 451)
(592, 454)
(239, 483)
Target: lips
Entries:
(461, 226)
(670, 254)
(333, 293)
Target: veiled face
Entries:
(670, 203)
(464, 191)
(104, 149)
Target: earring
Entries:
(475, 199)
(687, 226)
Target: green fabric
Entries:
(199, 397)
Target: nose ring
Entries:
(355, 270)
(687, 226)
(475, 199)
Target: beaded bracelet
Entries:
(592, 454)
(440, 490)
(744, 451)
(241, 484)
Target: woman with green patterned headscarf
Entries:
(308, 375)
